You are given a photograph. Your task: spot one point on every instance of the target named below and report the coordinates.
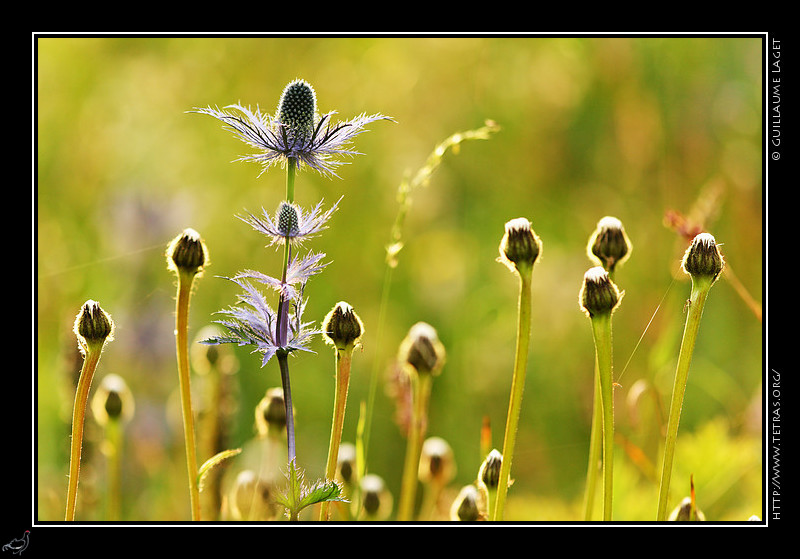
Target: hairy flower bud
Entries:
(683, 512)
(187, 252)
(609, 244)
(93, 326)
(437, 463)
(376, 500)
(271, 413)
(469, 505)
(342, 327)
(598, 294)
(422, 350)
(346, 462)
(519, 246)
(703, 258)
(489, 472)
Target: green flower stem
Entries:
(601, 330)
(517, 387)
(185, 279)
(283, 363)
(114, 439)
(595, 447)
(344, 358)
(700, 288)
(421, 390)
(78, 415)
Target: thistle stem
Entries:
(283, 363)
(343, 360)
(517, 387)
(78, 415)
(700, 288)
(421, 390)
(601, 330)
(185, 280)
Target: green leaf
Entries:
(323, 490)
(212, 462)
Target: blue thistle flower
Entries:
(255, 323)
(296, 131)
(298, 272)
(291, 223)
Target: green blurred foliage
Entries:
(629, 127)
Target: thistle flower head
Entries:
(93, 327)
(291, 223)
(703, 258)
(609, 244)
(295, 132)
(520, 246)
(187, 252)
(342, 327)
(421, 349)
(598, 294)
(255, 323)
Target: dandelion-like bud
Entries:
(703, 258)
(520, 246)
(271, 413)
(489, 472)
(113, 400)
(342, 327)
(437, 463)
(469, 505)
(683, 512)
(93, 326)
(422, 350)
(609, 244)
(376, 499)
(598, 294)
(297, 107)
(346, 462)
(187, 252)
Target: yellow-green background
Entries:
(630, 127)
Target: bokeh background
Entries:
(632, 127)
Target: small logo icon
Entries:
(18, 545)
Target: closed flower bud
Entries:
(376, 500)
(469, 505)
(437, 463)
(598, 294)
(93, 326)
(342, 327)
(683, 512)
(609, 244)
(422, 350)
(271, 413)
(519, 246)
(187, 252)
(346, 462)
(703, 258)
(113, 400)
(489, 472)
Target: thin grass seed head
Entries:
(520, 246)
(609, 245)
(187, 253)
(342, 327)
(93, 327)
(295, 132)
(421, 349)
(598, 294)
(703, 259)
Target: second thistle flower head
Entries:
(520, 246)
(598, 295)
(703, 258)
(296, 131)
